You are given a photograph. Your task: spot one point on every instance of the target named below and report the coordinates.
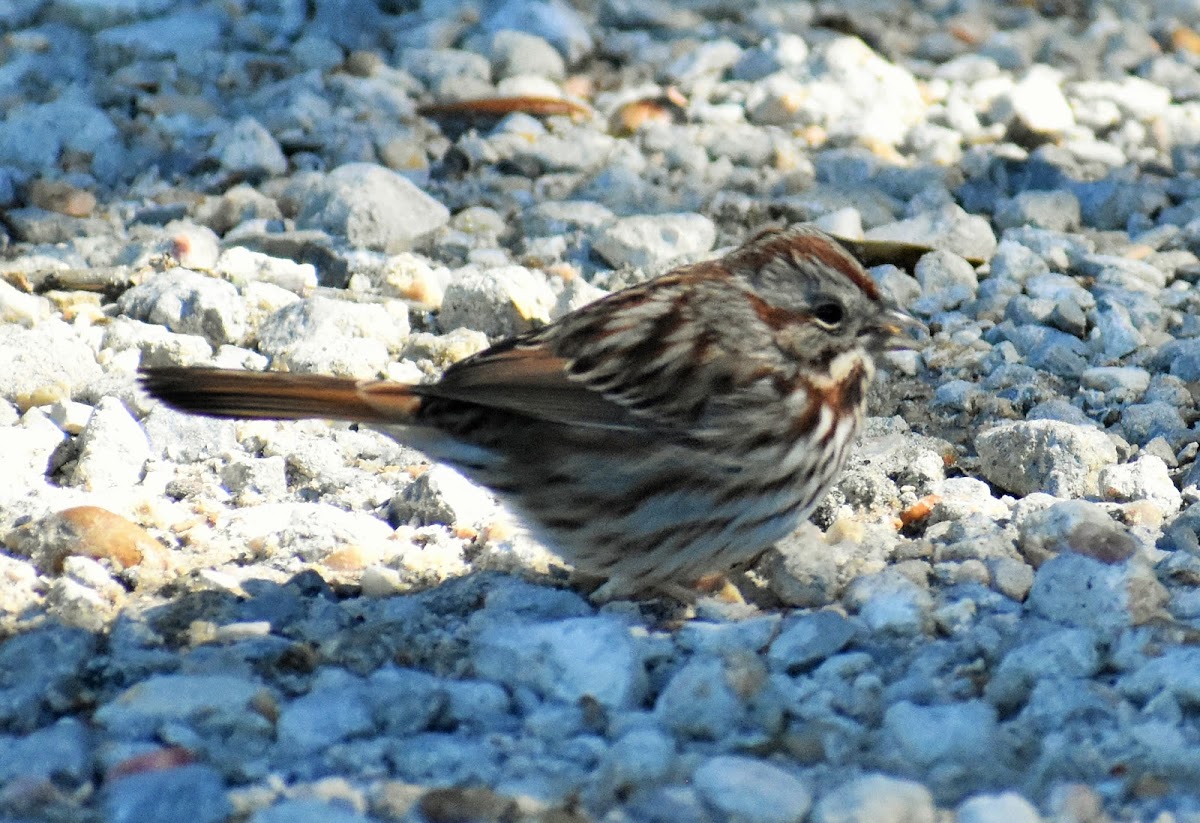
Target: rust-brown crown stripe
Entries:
(816, 246)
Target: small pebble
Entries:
(751, 790)
(113, 448)
(876, 798)
(370, 207)
(650, 242)
(1008, 807)
(196, 792)
(1044, 455)
(567, 659)
(1080, 591)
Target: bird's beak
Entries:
(900, 330)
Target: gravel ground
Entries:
(992, 619)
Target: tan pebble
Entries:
(1141, 513)
(414, 281)
(565, 272)
(530, 308)
(884, 151)
(70, 416)
(90, 531)
(814, 136)
(184, 526)
(498, 530)
(457, 345)
(789, 103)
(76, 304)
(43, 395)
(629, 118)
(675, 97)
(719, 587)
(403, 155)
(61, 197)
(788, 158)
(345, 559)
(18, 280)
(845, 530)
(1185, 39)
(579, 85)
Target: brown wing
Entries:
(532, 381)
(646, 358)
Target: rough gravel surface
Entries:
(992, 618)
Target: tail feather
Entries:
(280, 396)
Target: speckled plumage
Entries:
(664, 432)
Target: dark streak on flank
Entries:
(661, 486)
(787, 480)
(560, 522)
(767, 518)
(685, 536)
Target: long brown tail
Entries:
(280, 396)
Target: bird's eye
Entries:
(829, 314)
